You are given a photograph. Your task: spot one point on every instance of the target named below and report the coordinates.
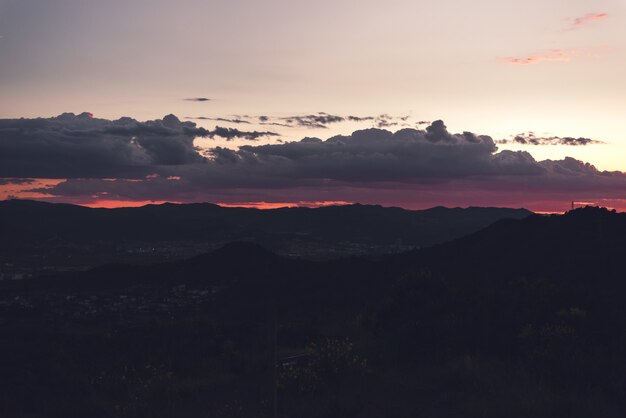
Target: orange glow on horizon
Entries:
(25, 188)
(43, 189)
(276, 205)
(114, 204)
(547, 208)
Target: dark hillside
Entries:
(523, 318)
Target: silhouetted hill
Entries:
(583, 242)
(522, 318)
(42, 235)
(357, 223)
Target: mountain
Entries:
(522, 318)
(42, 236)
(585, 242)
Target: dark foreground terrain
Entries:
(525, 318)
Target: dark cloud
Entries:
(6, 181)
(531, 139)
(320, 120)
(360, 118)
(406, 166)
(236, 120)
(385, 123)
(231, 133)
(407, 155)
(198, 99)
(284, 125)
(83, 146)
(72, 145)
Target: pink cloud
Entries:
(583, 20)
(553, 55)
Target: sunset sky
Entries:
(407, 103)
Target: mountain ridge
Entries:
(60, 235)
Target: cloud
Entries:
(323, 120)
(372, 155)
(320, 120)
(72, 145)
(284, 125)
(198, 99)
(387, 121)
(231, 133)
(236, 121)
(13, 181)
(128, 160)
(531, 139)
(552, 55)
(560, 54)
(359, 118)
(588, 18)
(265, 120)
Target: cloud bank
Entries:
(128, 160)
(71, 145)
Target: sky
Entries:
(406, 103)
